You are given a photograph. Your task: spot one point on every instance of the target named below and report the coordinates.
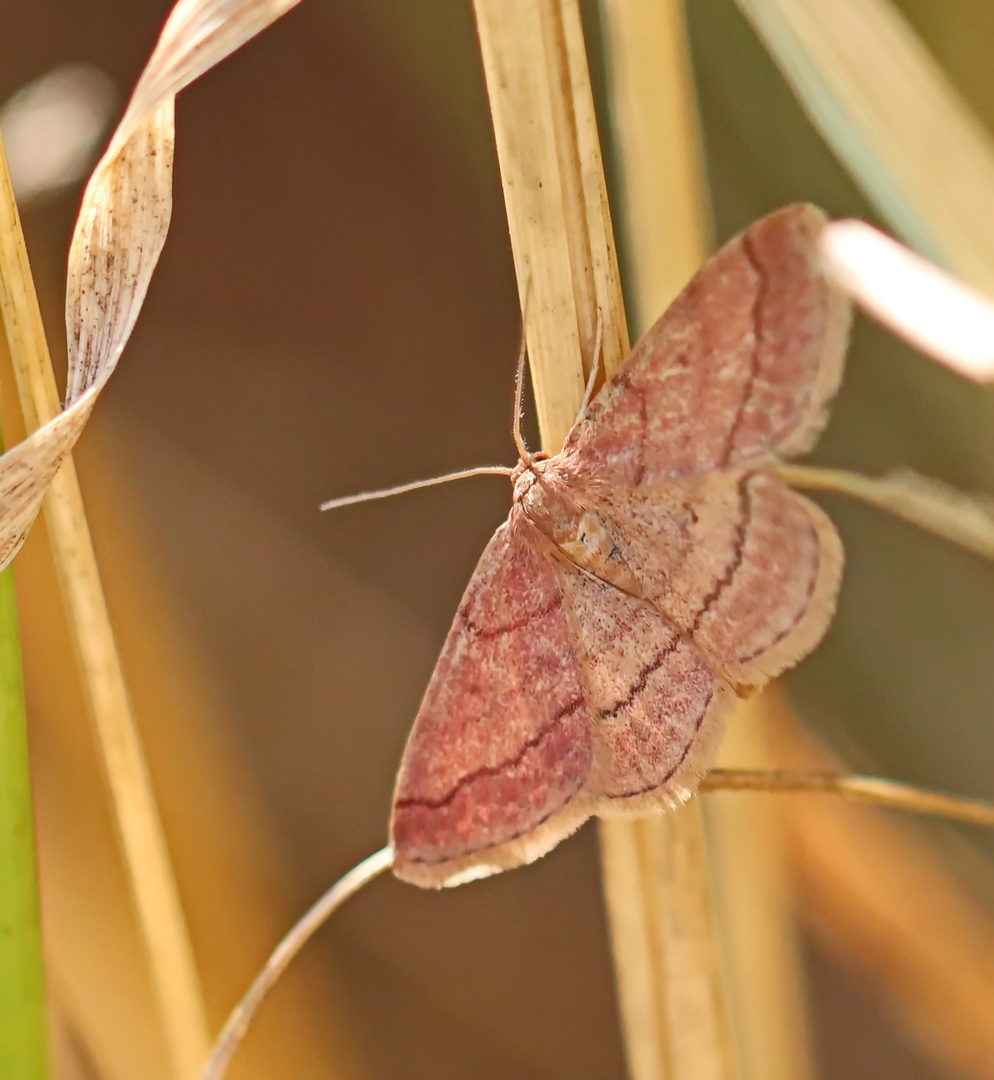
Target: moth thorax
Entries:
(545, 497)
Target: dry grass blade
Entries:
(197, 35)
(119, 235)
(655, 876)
(28, 469)
(895, 121)
(124, 218)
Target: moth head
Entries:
(527, 466)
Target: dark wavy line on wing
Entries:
(787, 631)
(487, 632)
(494, 770)
(679, 762)
(757, 336)
(738, 554)
(642, 681)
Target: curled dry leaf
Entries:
(119, 235)
(929, 308)
(198, 34)
(118, 238)
(27, 470)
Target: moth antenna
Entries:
(414, 485)
(519, 382)
(595, 368)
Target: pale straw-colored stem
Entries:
(655, 875)
(870, 789)
(136, 816)
(965, 520)
(303, 930)
(662, 188)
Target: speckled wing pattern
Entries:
(649, 574)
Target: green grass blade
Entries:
(23, 1016)
(23, 1036)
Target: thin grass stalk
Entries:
(23, 1035)
(885, 900)
(662, 185)
(656, 140)
(936, 507)
(876, 790)
(655, 880)
(143, 844)
(757, 905)
(233, 1033)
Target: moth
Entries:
(648, 575)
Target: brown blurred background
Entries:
(335, 311)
